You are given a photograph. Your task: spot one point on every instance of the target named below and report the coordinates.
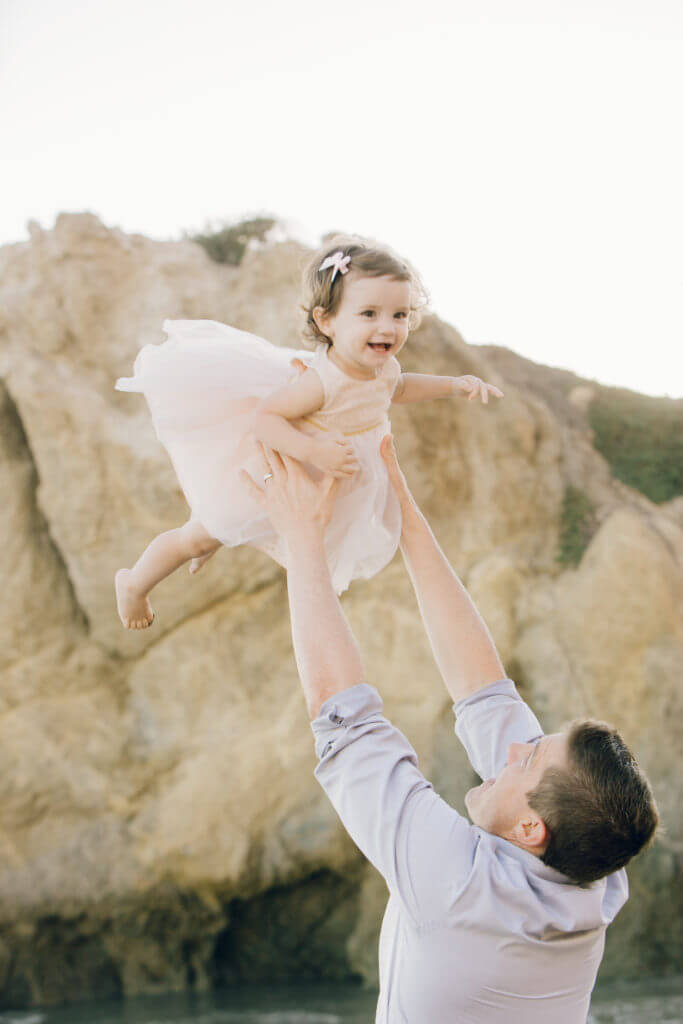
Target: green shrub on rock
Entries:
(642, 439)
(228, 243)
(577, 525)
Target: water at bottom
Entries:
(646, 1002)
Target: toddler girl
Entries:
(214, 391)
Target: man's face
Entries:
(500, 805)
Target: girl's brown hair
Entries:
(368, 258)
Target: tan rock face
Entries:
(156, 788)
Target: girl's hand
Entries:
(335, 455)
(473, 387)
(292, 500)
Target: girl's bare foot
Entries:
(135, 611)
(197, 563)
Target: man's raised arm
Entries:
(325, 649)
(461, 643)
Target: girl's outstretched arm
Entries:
(422, 387)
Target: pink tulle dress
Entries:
(203, 385)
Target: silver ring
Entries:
(267, 477)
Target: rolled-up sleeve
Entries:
(369, 771)
(490, 720)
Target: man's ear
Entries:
(532, 832)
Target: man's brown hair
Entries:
(601, 811)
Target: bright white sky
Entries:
(527, 156)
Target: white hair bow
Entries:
(339, 261)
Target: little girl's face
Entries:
(371, 324)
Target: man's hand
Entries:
(294, 502)
(395, 474)
(326, 654)
(473, 387)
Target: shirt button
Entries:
(335, 718)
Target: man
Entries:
(503, 919)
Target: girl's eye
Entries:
(371, 312)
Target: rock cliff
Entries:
(160, 826)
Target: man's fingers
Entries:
(273, 460)
(394, 471)
(273, 457)
(388, 453)
(289, 463)
(386, 448)
(331, 486)
(255, 491)
(262, 465)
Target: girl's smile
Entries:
(370, 325)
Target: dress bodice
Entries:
(350, 405)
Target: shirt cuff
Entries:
(488, 721)
(342, 710)
(502, 688)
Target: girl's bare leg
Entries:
(197, 563)
(166, 553)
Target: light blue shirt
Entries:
(476, 929)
